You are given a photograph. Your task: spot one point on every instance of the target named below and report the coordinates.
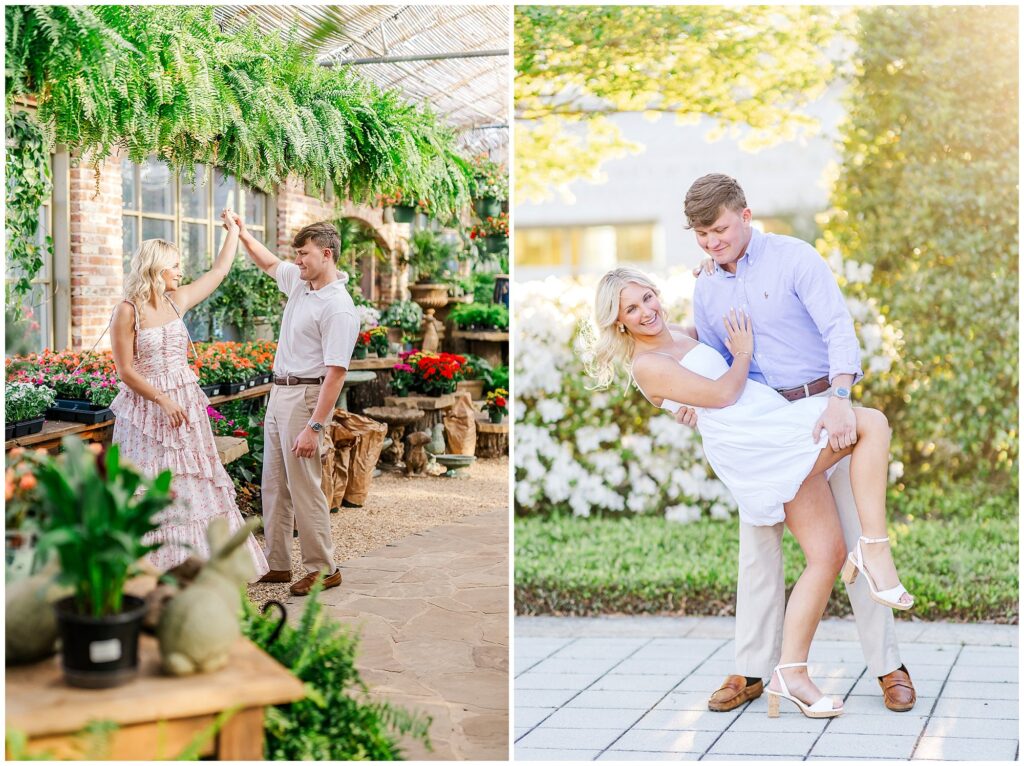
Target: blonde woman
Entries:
(764, 450)
(162, 421)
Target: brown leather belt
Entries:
(807, 389)
(293, 381)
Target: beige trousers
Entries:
(761, 594)
(292, 496)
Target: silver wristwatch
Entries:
(317, 427)
(841, 392)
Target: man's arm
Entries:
(265, 260)
(817, 289)
(307, 442)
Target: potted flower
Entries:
(492, 232)
(25, 404)
(405, 316)
(435, 374)
(21, 514)
(96, 512)
(402, 379)
(497, 404)
(362, 345)
(401, 209)
(379, 341)
(489, 186)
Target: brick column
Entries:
(96, 243)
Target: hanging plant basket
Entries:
(487, 207)
(495, 243)
(404, 213)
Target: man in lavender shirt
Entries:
(804, 345)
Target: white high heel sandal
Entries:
(855, 563)
(821, 709)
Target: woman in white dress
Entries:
(762, 448)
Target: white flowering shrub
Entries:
(612, 451)
(369, 317)
(597, 451)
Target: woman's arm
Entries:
(122, 346)
(664, 378)
(193, 294)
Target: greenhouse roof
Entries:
(419, 50)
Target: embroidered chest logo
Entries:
(766, 296)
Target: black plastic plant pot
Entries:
(28, 427)
(211, 390)
(100, 652)
(404, 213)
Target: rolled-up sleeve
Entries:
(817, 289)
(287, 277)
(338, 336)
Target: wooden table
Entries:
(157, 716)
(374, 363)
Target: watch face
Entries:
(843, 393)
(316, 426)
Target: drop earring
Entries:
(622, 328)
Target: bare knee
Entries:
(872, 422)
(828, 558)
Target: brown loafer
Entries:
(277, 575)
(898, 690)
(733, 693)
(305, 585)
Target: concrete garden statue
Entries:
(199, 626)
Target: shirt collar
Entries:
(329, 288)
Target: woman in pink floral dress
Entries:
(162, 421)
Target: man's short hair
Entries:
(323, 234)
(707, 196)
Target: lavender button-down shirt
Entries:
(802, 328)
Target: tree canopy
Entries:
(576, 66)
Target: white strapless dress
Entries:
(761, 446)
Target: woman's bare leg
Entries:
(811, 517)
(869, 472)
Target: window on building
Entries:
(37, 306)
(158, 204)
(579, 249)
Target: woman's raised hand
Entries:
(741, 333)
(230, 220)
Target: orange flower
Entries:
(28, 481)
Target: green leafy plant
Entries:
(496, 378)
(26, 401)
(480, 316)
(428, 255)
(95, 513)
(245, 297)
(28, 186)
(926, 195)
(336, 721)
(406, 315)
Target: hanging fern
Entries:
(166, 80)
(28, 186)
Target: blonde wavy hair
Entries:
(144, 280)
(607, 352)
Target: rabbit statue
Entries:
(199, 625)
(31, 623)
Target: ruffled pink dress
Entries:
(202, 487)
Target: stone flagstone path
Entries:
(636, 688)
(432, 609)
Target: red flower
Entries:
(500, 401)
(239, 432)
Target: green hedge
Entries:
(962, 568)
(927, 194)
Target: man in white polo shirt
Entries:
(318, 333)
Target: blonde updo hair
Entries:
(144, 280)
(609, 351)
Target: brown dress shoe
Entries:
(277, 575)
(733, 693)
(305, 585)
(898, 690)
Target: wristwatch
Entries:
(841, 392)
(317, 427)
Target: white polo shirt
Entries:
(319, 327)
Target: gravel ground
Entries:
(398, 506)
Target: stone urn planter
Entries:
(430, 295)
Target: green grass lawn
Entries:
(958, 568)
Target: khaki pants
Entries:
(292, 496)
(761, 594)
